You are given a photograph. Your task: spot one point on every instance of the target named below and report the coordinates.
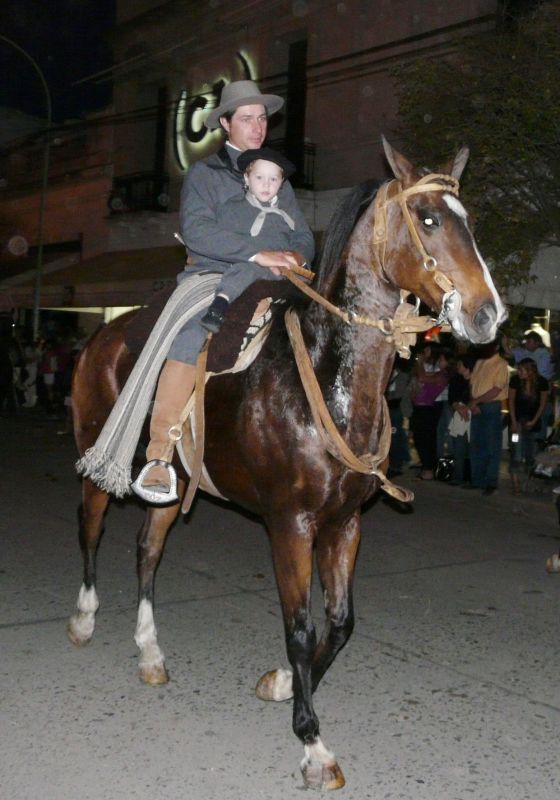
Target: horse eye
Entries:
(429, 220)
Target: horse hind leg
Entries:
(81, 624)
(151, 539)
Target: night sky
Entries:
(69, 39)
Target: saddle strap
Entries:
(199, 426)
(367, 464)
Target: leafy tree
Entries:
(498, 92)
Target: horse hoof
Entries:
(77, 636)
(323, 777)
(154, 675)
(275, 685)
(74, 638)
(553, 563)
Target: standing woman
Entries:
(528, 396)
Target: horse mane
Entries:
(342, 223)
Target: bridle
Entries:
(392, 192)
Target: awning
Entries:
(120, 278)
(544, 290)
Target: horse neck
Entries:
(352, 362)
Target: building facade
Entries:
(115, 192)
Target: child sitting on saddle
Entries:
(255, 215)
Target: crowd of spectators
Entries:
(37, 374)
(454, 406)
(451, 406)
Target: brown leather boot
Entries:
(175, 386)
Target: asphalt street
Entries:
(448, 689)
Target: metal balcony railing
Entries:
(141, 191)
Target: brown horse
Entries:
(263, 450)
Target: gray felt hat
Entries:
(242, 93)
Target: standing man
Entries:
(533, 347)
(489, 388)
(243, 114)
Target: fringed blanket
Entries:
(108, 462)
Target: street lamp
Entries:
(44, 182)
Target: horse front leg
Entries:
(337, 548)
(293, 562)
(92, 511)
(150, 542)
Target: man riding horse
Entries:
(243, 114)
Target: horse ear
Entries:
(401, 166)
(455, 168)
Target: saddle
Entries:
(235, 333)
(243, 333)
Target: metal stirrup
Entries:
(153, 494)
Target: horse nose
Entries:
(486, 316)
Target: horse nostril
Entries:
(485, 316)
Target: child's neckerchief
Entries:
(264, 210)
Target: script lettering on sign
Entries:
(192, 140)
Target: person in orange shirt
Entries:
(489, 388)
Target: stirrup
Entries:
(154, 494)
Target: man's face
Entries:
(247, 128)
(264, 179)
(531, 344)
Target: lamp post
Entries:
(44, 183)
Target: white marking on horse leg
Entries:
(82, 624)
(317, 753)
(152, 660)
(319, 767)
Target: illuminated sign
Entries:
(192, 140)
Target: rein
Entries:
(401, 329)
(367, 464)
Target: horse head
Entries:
(424, 245)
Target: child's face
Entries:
(263, 179)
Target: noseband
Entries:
(393, 192)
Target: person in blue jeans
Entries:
(489, 388)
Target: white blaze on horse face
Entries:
(457, 207)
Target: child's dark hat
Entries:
(266, 154)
